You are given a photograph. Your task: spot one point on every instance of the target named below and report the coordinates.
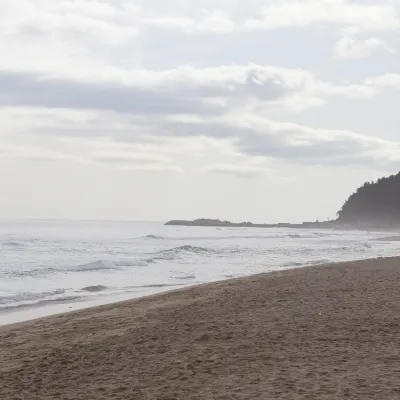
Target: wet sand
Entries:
(326, 332)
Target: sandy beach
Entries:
(326, 332)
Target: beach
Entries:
(320, 332)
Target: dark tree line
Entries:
(377, 202)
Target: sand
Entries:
(330, 332)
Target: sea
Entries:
(49, 266)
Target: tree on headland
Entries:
(374, 202)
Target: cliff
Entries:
(374, 203)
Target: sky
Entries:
(263, 110)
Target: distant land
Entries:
(219, 223)
(374, 205)
(304, 225)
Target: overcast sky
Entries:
(261, 110)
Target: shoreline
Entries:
(41, 312)
(35, 312)
(314, 332)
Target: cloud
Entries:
(88, 19)
(183, 90)
(221, 144)
(283, 15)
(342, 12)
(180, 91)
(156, 168)
(136, 161)
(241, 171)
(353, 48)
(215, 22)
(278, 15)
(126, 158)
(297, 144)
(37, 154)
(386, 81)
(71, 34)
(78, 72)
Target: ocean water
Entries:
(54, 266)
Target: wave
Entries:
(304, 263)
(131, 263)
(36, 303)
(320, 234)
(59, 296)
(94, 289)
(29, 296)
(33, 273)
(103, 265)
(185, 277)
(322, 261)
(188, 249)
(292, 264)
(196, 238)
(153, 237)
(388, 239)
(43, 272)
(176, 252)
(161, 285)
(11, 243)
(298, 236)
(196, 250)
(99, 265)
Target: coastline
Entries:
(320, 225)
(313, 332)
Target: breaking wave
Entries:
(102, 265)
(185, 277)
(94, 289)
(39, 303)
(177, 252)
(234, 237)
(292, 264)
(161, 285)
(33, 273)
(99, 265)
(21, 297)
(34, 299)
(320, 234)
(388, 239)
(188, 249)
(321, 261)
(60, 296)
(11, 243)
